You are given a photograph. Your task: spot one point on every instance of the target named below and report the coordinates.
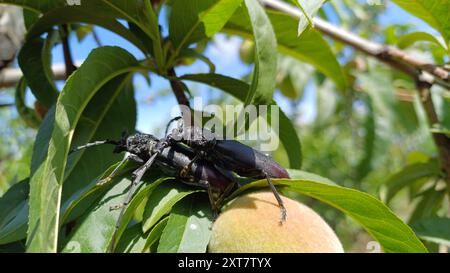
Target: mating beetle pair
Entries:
(196, 157)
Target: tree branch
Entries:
(9, 77)
(390, 55)
(425, 74)
(178, 89)
(5, 105)
(70, 66)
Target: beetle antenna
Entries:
(170, 123)
(93, 144)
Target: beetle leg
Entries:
(114, 172)
(283, 213)
(218, 202)
(214, 207)
(185, 170)
(172, 121)
(139, 173)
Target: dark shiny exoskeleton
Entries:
(230, 155)
(174, 160)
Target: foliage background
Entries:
(359, 137)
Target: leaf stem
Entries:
(68, 60)
(178, 89)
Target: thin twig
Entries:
(442, 141)
(178, 89)
(5, 105)
(70, 66)
(9, 77)
(96, 37)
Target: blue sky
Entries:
(223, 52)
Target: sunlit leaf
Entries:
(161, 201)
(14, 213)
(434, 12)
(310, 47)
(377, 219)
(264, 74)
(408, 175)
(102, 65)
(436, 230)
(411, 38)
(188, 228)
(193, 20)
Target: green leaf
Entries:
(433, 12)
(117, 100)
(239, 89)
(155, 234)
(91, 192)
(96, 229)
(27, 114)
(41, 142)
(14, 213)
(32, 63)
(36, 6)
(194, 54)
(265, 72)
(188, 228)
(308, 8)
(428, 205)
(102, 65)
(157, 49)
(377, 219)
(310, 47)
(30, 17)
(193, 20)
(161, 201)
(302, 175)
(91, 12)
(365, 163)
(16, 247)
(411, 38)
(436, 230)
(118, 112)
(135, 202)
(133, 240)
(132, 11)
(408, 175)
(378, 83)
(293, 76)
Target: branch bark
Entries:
(9, 77)
(68, 60)
(425, 74)
(390, 55)
(178, 89)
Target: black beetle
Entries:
(231, 155)
(173, 160)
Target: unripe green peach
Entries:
(247, 52)
(251, 224)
